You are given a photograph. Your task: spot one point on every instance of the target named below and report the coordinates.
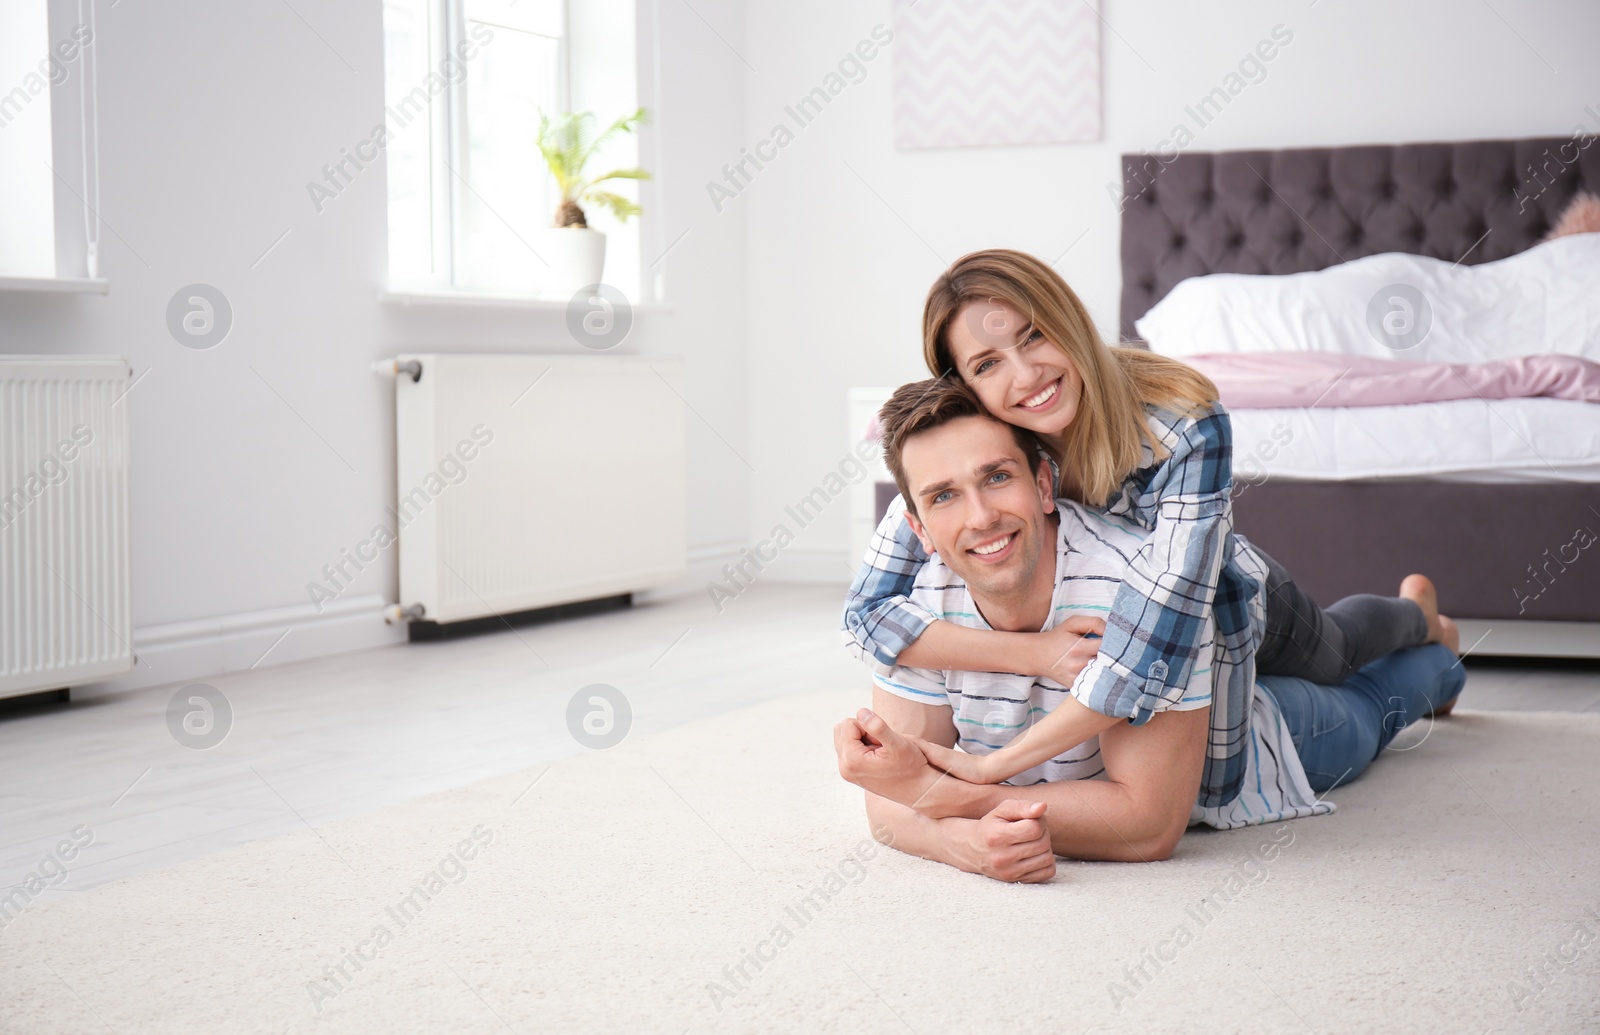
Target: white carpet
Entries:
(618, 888)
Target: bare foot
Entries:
(1419, 590)
(1450, 634)
(1451, 638)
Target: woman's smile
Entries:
(1043, 399)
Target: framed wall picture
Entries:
(987, 73)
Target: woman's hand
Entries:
(1061, 653)
(876, 758)
(959, 764)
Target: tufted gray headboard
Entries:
(1291, 211)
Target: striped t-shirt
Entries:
(991, 708)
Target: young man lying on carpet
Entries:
(1010, 556)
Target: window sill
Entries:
(57, 285)
(479, 300)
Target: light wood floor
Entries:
(317, 740)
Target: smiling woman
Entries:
(1139, 438)
(1011, 328)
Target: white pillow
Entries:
(1397, 306)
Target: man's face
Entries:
(979, 504)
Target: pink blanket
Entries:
(1270, 380)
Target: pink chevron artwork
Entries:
(988, 73)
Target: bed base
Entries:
(1512, 639)
(1521, 561)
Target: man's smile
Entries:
(995, 550)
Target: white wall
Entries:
(837, 276)
(213, 118)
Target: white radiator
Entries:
(530, 481)
(65, 604)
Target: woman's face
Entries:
(1021, 377)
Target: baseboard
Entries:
(705, 564)
(811, 564)
(193, 651)
(708, 564)
(190, 651)
(1490, 637)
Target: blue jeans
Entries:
(1339, 730)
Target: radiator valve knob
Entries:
(394, 614)
(394, 368)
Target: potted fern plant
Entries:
(576, 252)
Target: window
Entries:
(465, 81)
(47, 142)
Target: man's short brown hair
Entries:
(924, 405)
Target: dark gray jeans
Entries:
(1325, 645)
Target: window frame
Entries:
(74, 148)
(449, 141)
(447, 253)
(458, 128)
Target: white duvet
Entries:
(1397, 306)
(1469, 439)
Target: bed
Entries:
(1484, 496)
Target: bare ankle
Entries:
(1419, 590)
(1450, 634)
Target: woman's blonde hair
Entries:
(1103, 442)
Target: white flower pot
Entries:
(576, 257)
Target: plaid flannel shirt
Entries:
(1189, 567)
